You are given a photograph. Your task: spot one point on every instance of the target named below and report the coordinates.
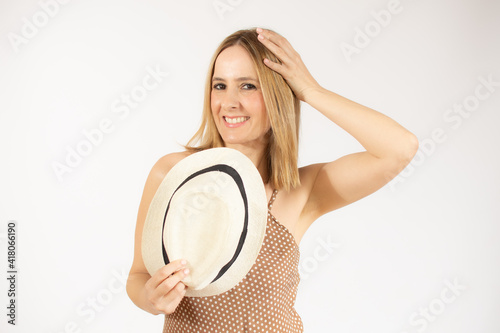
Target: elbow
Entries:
(409, 149)
(128, 288)
(398, 162)
(412, 146)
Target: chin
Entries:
(232, 141)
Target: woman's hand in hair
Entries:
(292, 68)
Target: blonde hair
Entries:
(283, 110)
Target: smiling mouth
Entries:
(235, 120)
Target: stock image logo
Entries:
(363, 37)
(421, 319)
(30, 28)
(455, 116)
(122, 106)
(222, 7)
(323, 250)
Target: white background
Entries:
(396, 252)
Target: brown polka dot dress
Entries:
(262, 302)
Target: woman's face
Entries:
(236, 99)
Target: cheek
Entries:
(256, 103)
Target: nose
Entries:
(230, 100)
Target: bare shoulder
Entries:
(158, 173)
(169, 160)
(165, 163)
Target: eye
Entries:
(248, 86)
(219, 86)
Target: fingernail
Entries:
(259, 30)
(183, 262)
(186, 271)
(260, 37)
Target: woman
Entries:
(254, 86)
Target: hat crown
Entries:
(203, 219)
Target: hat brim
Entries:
(224, 235)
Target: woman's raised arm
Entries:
(389, 146)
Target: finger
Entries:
(276, 41)
(274, 66)
(174, 297)
(165, 272)
(272, 36)
(275, 49)
(171, 288)
(169, 302)
(171, 282)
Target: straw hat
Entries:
(210, 209)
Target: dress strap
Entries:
(273, 197)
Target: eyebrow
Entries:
(243, 78)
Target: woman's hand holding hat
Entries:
(164, 290)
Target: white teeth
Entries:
(236, 120)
